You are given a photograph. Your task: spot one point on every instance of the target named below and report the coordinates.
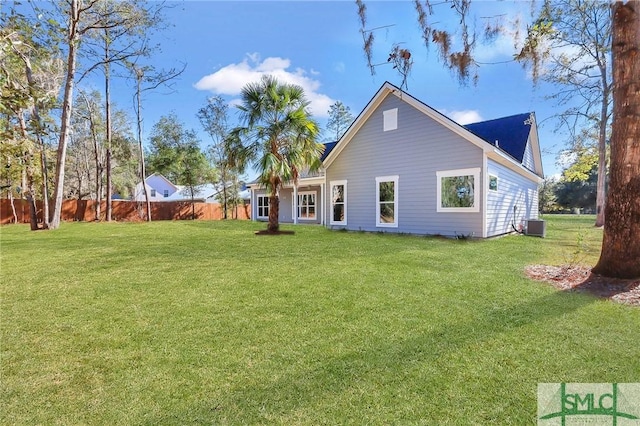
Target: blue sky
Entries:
(317, 44)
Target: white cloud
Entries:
(463, 116)
(230, 80)
(339, 67)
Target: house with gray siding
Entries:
(404, 167)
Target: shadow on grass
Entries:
(327, 378)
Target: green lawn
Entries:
(206, 323)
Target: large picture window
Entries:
(338, 202)
(307, 205)
(458, 190)
(263, 207)
(387, 201)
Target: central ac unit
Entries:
(536, 227)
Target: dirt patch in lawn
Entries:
(581, 279)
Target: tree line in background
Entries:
(61, 140)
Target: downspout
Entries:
(322, 210)
(485, 193)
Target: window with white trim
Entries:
(165, 193)
(338, 202)
(387, 201)
(262, 202)
(493, 183)
(307, 205)
(390, 120)
(458, 190)
(153, 192)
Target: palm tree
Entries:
(278, 137)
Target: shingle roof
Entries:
(202, 192)
(510, 134)
(328, 146)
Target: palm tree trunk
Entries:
(274, 210)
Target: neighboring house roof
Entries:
(510, 134)
(328, 147)
(163, 178)
(497, 153)
(202, 192)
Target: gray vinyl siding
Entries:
(285, 207)
(285, 214)
(527, 159)
(513, 190)
(415, 151)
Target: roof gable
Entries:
(389, 89)
(499, 153)
(156, 175)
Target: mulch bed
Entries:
(279, 232)
(581, 279)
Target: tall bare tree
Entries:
(214, 119)
(117, 42)
(147, 79)
(574, 39)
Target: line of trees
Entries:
(42, 117)
(63, 139)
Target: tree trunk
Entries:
(602, 160)
(139, 74)
(96, 157)
(620, 256)
(27, 178)
(45, 184)
(33, 213)
(107, 100)
(13, 206)
(274, 210)
(37, 124)
(67, 105)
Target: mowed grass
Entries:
(206, 323)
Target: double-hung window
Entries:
(387, 201)
(263, 207)
(307, 205)
(338, 202)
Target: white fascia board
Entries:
(507, 161)
(444, 121)
(317, 180)
(535, 146)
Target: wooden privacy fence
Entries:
(127, 211)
